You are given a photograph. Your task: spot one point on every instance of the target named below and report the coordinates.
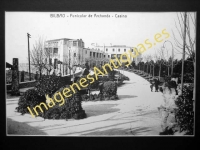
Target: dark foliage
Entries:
(185, 114)
(29, 99)
(47, 85)
(70, 109)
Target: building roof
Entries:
(119, 46)
(114, 46)
(58, 39)
(8, 65)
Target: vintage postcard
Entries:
(100, 73)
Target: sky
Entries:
(129, 31)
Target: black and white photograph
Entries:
(100, 73)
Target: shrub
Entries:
(47, 85)
(94, 85)
(185, 114)
(110, 88)
(188, 77)
(29, 99)
(70, 109)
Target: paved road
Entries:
(135, 113)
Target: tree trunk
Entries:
(143, 67)
(194, 88)
(150, 69)
(153, 70)
(168, 70)
(159, 71)
(40, 73)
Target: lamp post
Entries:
(29, 36)
(172, 54)
(69, 62)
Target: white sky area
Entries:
(130, 31)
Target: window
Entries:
(118, 56)
(79, 44)
(74, 54)
(104, 56)
(93, 54)
(85, 51)
(131, 50)
(112, 56)
(55, 50)
(113, 49)
(124, 57)
(118, 50)
(90, 54)
(124, 50)
(74, 43)
(108, 56)
(106, 49)
(50, 61)
(50, 50)
(97, 55)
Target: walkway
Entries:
(135, 113)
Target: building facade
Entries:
(70, 52)
(95, 57)
(73, 52)
(118, 50)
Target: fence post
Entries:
(19, 76)
(15, 78)
(22, 76)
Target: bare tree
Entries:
(148, 59)
(186, 28)
(166, 59)
(48, 54)
(158, 58)
(37, 55)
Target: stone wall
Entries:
(65, 80)
(22, 85)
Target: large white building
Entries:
(73, 52)
(63, 49)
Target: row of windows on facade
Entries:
(54, 50)
(119, 50)
(70, 43)
(112, 56)
(100, 55)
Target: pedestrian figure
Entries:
(156, 85)
(174, 82)
(36, 76)
(152, 84)
(168, 108)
